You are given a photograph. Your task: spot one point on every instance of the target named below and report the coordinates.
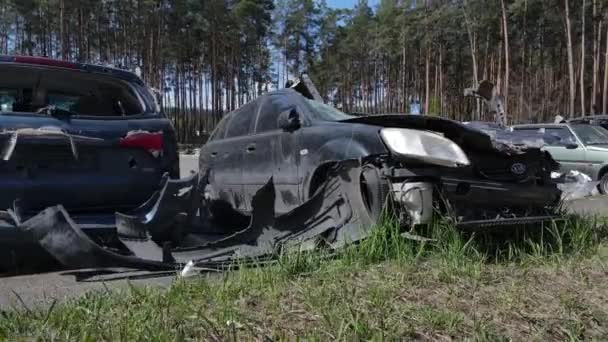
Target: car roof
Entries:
(589, 117)
(44, 62)
(541, 125)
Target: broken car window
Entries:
(324, 112)
(269, 113)
(62, 101)
(7, 98)
(34, 90)
(242, 120)
(591, 134)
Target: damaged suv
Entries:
(422, 163)
(88, 137)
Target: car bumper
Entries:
(21, 254)
(474, 202)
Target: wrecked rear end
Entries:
(502, 183)
(76, 137)
(86, 137)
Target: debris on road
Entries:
(575, 185)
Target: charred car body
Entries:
(421, 162)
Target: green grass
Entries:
(547, 283)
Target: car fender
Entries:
(341, 149)
(334, 151)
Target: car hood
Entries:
(466, 137)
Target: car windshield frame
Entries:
(584, 131)
(321, 111)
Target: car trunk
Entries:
(80, 171)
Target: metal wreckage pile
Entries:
(172, 229)
(168, 231)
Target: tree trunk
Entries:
(507, 68)
(64, 49)
(582, 75)
(427, 80)
(605, 95)
(570, 60)
(521, 110)
(441, 103)
(473, 46)
(597, 34)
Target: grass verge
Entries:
(542, 284)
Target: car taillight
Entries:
(149, 141)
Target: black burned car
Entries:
(88, 137)
(420, 162)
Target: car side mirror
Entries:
(571, 146)
(289, 120)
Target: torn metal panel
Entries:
(64, 240)
(158, 214)
(328, 218)
(494, 102)
(306, 87)
(43, 133)
(331, 217)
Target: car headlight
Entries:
(424, 146)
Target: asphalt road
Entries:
(597, 205)
(188, 163)
(43, 289)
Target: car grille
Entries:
(503, 174)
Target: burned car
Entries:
(88, 137)
(421, 163)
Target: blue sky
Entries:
(349, 3)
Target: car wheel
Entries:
(374, 191)
(603, 186)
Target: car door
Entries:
(226, 175)
(213, 157)
(566, 149)
(272, 152)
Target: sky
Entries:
(349, 3)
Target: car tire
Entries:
(374, 191)
(603, 185)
